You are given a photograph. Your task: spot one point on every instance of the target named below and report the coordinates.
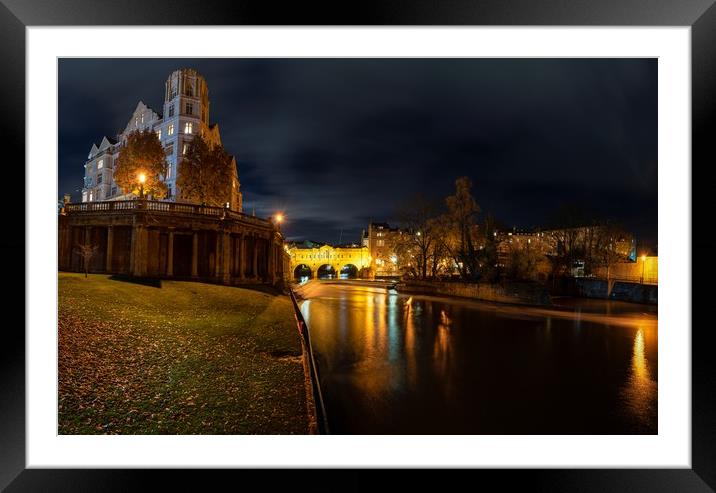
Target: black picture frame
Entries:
(16, 15)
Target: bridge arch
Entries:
(302, 271)
(326, 271)
(348, 271)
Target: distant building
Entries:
(185, 115)
(383, 242)
(550, 242)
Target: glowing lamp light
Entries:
(279, 218)
(643, 258)
(142, 178)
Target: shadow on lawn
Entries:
(144, 281)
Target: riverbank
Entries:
(585, 287)
(185, 358)
(514, 293)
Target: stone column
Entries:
(226, 257)
(65, 245)
(255, 271)
(217, 255)
(272, 262)
(138, 261)
(242, 256)
(170, 254)
(110, 246)
(195, 255)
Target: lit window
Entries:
(184, 149)
(142, 117)
(100, 164)
(170, 129)
(169, 171)
(159, 134)
(90, 198)
(188, 127)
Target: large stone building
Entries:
(110, 232)
(383, 242)
(166, 240)
(185, 114)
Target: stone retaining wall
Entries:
(521, 293)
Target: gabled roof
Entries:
(93, 151)
(106, 143)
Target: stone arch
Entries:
(348, 271)
(326, 271)
(303, 271)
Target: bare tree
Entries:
(86, 252)
(461, 220)
(421, 230)
(609, 236)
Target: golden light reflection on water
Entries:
(640, 390)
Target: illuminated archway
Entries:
(326, 271)
(302, 272)
(348, 271)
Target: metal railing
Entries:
(321, 418)
(160, 206)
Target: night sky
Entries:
(335, 143)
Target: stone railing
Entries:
(160, 207)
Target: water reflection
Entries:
(640, 390)
(391, 363)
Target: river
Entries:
(398, 364)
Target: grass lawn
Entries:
(186, 358)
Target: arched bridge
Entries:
(325, 261)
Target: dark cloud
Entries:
(336, 142)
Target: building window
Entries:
(99, 179)
(170, 108)
(184, 149)
(90, 197)
(189, 108)
(169, 191)
(381, 243)
(114, 191)
(169, 150)
(188, 127)
(142, 118)
(169, 171)
(159, 134)
(170, 129)
(100, 164)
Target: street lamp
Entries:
(643, 265)
(142, 178)
(278, 219)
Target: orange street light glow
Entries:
(279, 217)
(643, 258)
(142, 177)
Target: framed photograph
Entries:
(427, 236)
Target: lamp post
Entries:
(643, 265)
(278, 219)
(142, 178)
